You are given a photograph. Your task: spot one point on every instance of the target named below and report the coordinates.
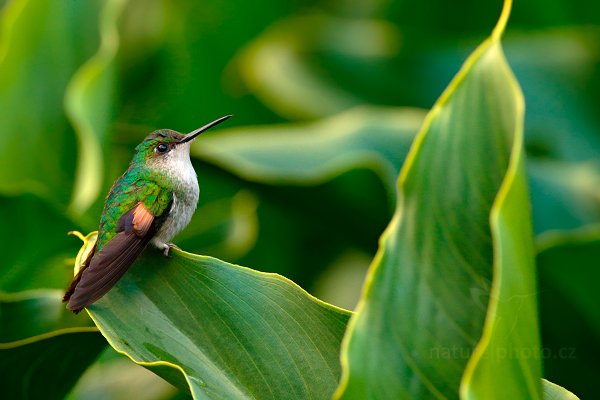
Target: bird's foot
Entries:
(168, 247)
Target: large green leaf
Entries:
(452, 286)
(222, 330)
(43, 347)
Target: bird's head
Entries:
(166, 147)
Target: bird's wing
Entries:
(134, 230)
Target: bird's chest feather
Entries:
(185, 199)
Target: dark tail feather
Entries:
(71, 288)
(77, 278)
(106, 268)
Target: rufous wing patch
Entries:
(142, 220)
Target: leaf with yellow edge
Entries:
(220, 330)
(449, 305)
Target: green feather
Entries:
(136, 185)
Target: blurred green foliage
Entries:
(82, 82)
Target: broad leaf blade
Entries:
(426, 299)
(231, 331)
(505, 362)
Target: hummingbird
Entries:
(149, 204)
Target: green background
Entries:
(327, 96)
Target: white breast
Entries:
(185, 196)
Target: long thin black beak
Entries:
(193, 134)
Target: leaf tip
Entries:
(78, 234)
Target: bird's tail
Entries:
(77, 278)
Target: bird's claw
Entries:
(168, 247)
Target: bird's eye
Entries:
(162, 148)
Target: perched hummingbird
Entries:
(150, 203)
